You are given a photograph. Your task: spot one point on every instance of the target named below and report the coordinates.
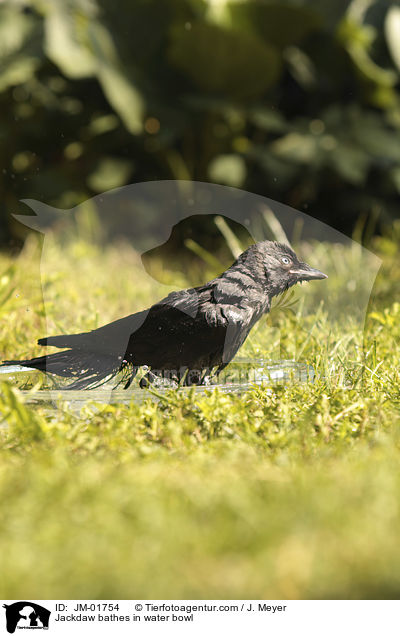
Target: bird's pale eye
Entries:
(285, 260)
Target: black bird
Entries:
(186, 336)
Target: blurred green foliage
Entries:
(280, 492)
(298, 100)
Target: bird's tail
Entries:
(87, 369)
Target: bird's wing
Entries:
(171, 335)
(115, 335)
(111, 339)
(187, 327)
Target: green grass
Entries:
(281, 492)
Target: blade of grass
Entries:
(229, 236)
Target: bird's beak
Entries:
(305, 272)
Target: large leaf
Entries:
(123, 96)
(83, 47)
(20, 49)
(225, 62)
(118, 88)
(392, 32)
(66, 41)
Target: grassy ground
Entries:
(282, 492)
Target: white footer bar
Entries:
(275, 618)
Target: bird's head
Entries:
(281, 267)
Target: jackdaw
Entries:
(187, 336)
